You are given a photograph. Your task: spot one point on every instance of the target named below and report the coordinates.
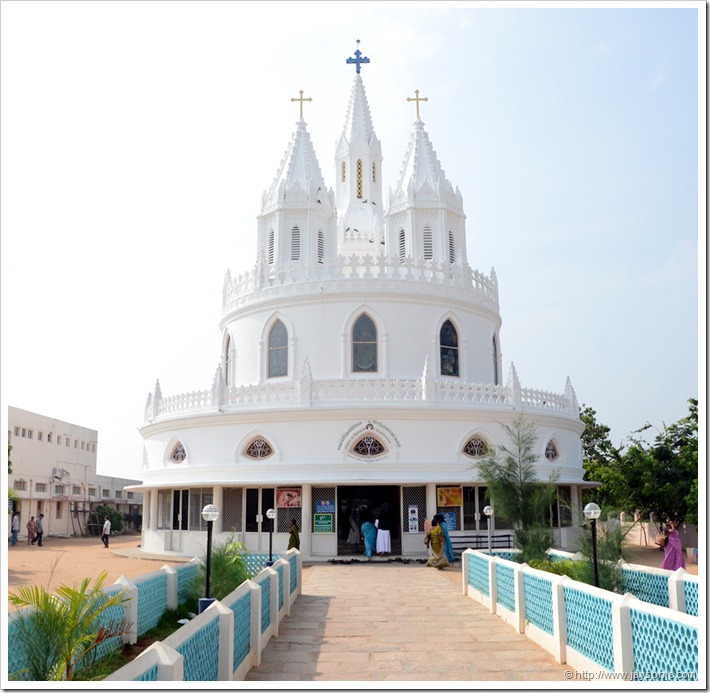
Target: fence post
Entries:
(621, 633)
(225, 660)
(492, 585)
(274, 599)
(255, 621)
(286, 586)
(130, 609)
(676, 590)
(559, 618)
(464, 571)
(172, 600)
(519, 588)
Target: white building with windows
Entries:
(54, 473)
(361, 365)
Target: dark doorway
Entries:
(365, 502)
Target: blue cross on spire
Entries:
(357, 60)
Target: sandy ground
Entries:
(68, 561)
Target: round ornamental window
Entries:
(179, 453)
(551, 452)
(368, 446)
(475, 447)
(259, 449)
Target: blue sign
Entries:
(450, 518)
(325, 506)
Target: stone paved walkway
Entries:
(395, 622)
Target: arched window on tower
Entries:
(321, 247)
(295, 243)
(270, 249)
(342, 172)
(374, 172)
(258, 449)
(449, 349)
(495, 362)
(475, 447)
(278, 350)
(364, 345)
(358, 173)
(228, 363)
(452, 248)
(402, 246)
(551, 452)
(428, 243)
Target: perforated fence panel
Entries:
(413, 496)
(232, 502)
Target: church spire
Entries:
(358, 175)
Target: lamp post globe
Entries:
(209, 514)
(271, 514)
(592, 511)
(488, 511)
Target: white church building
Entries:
(361, 365)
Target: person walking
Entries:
(15, 527)
(384, 539)
(31, 530)
(39, 531)
(369, 535)
(106, 531)
(448, 546)
(294, 541)
(673, 550)
(435, 541)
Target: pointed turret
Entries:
(297, 220)
(358, 175)
(425, 218)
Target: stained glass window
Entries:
(475, 447)
(364, 345)
(449, 349)
(259, 449)
(278, 350)
(368, 446)
(358, 173)
(179, 453)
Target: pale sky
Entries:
(138, 137)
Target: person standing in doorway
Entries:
(39, 530)
(106, 531)
(31, 530)
(369, 535)
(15, 527)
(384, 540)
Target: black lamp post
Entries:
(592, 512)
(488, 511)
(271, 514)
(209, 515)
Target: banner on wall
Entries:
(288, 497)
(413, 518)
(447, 496)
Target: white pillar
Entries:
(306, 519)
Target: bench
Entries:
(462, 542)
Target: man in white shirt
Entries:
(15, 527)
(106, 531)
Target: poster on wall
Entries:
(450, 520)
(447, 496)
(288, 497)
(325, 506)
(413, 518)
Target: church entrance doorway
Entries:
(256, 524)
(362, 503)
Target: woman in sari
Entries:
(435, 541)
(31, 530)
(673, 558)
(448, 546)
(294, 541)
(369, 533)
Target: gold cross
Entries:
(301, 99)
(417, 99)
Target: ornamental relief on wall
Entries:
(368, 440)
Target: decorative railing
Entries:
(309, 392)
(266, 281)
(605, 635)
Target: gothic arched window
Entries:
(452, 248)
(258, 449)
(402, 246)
(551, 451)
(495, 362)
(342, 171)
(374, 172)
(278, 350)
(358, 173)
(428, 243)
(321, 247)
(475, 447)
(368, 446)
(449, 349)
(364, 345)
(270, 249)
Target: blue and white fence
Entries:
(591, 629)
(226, 640)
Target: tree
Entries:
(598, 455)
(517, 495)
(57, 631)
(97, 515)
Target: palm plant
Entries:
(58, 631)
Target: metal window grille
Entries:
(323, 494)
(164, 516)
(295, 243)
(452, 249)
(359, 178)
(475, 447)
(428, 243)
(199, 498)
(321, 247)
(232, 502)
(402, 246)
(284, 517)
(413, 496)
(270, 249)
